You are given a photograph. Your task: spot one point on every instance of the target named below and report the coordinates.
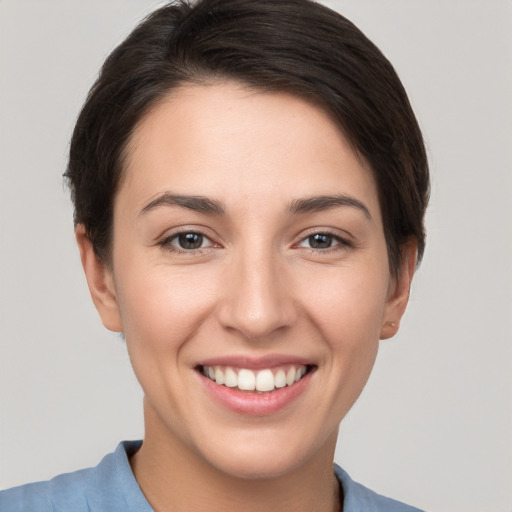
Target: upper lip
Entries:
(255, 363)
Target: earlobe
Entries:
(100, 282)
(399, 294)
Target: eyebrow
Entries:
(197, 203)
(206, 205)
(320, 203)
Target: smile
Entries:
(263, 381)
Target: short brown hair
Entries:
(294, 46)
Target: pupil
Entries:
(190, 240)
(320, 241)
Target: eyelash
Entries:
(340, 242)
(167, 242)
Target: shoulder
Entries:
(109, 486)
(358, 498)
(67, 491)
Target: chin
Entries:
(257, 466)
(265, 455)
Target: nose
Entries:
(258, 299)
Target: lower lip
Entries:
(256, 404)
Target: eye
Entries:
(187, 241)
(190, 240)
(319, 241)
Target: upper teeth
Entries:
(249, 380)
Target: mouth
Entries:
(261, 381)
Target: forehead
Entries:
(229, 141)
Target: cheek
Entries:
(163, 306)
(347, 306)
(352, 325)
(162, 309)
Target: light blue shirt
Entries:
(111, 487)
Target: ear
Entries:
(100, 281)
(400, 287)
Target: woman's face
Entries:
(248, 249)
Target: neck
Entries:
(173, 477)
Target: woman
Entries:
(249, 185)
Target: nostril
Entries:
(257, 301)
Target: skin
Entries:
(256, 287)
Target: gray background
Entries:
(434, 425)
